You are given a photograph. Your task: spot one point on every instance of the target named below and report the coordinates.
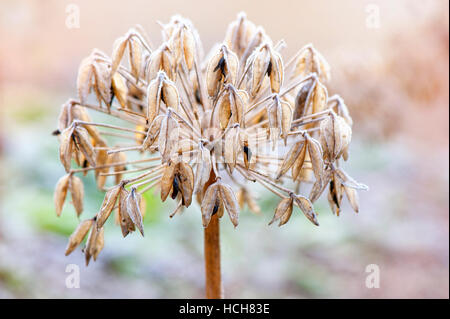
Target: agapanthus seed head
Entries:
(204, 128)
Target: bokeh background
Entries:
(394, 78)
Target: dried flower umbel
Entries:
(207, 128)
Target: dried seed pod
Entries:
(161, 60)
(84, 79)
(230, 202)
(222, 68)
(319, 186)
(76, 188)
(301, 99)
(335, 136)
(182, 43)
(83, 143)
(239, 34)
(260, 66)
(133, 208)
(168, 136)
(319, 97)
(102, 76)
(231, 147)
(298, 164)
(66, 147)
(290, 158)
(210, 203)
(153, 132)
(311, 61)
(78, 235)
(283, 211)
(353, 198)
(335, 195)
(167, 179)
(316, 155)
(306, 207)
(185, 179)
(203, 168)
(99, 243)
(119, 47)
(231, 104)
(60, 193)
(135, 57)
(348, 181)
(126, 224)
(90, 248)
(275, 72)
(108, 204)
(120, 89)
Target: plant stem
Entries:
(213, 277)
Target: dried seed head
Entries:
(161, 60)
(283, 211)
(239, 34)
(108, 205)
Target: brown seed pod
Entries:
(168, 136)
(276, 71)
(335, 195)
(316, 155)
(108, 204)
(319, 186)
(99, 243)
(306, 207)
(301, 99)
(353, 198)
(84, 79)
(133, 208)
(161, 60)
(203, 168)
(283, 211)
(260, 66)
(230, 202)
(135, 57)
(119, 47)
(120, 89)
(126, 224)
(335, 136)
(222, 68)
(90, 248)
(239, 34)
(83, 143)
(66, 147)
(59, 196)
(102, 76)
(299, 162)
(210, 203)
(311, 61)
(78, 235)
(76, 188)
(153, 132)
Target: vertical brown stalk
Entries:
(214, 288)
(213, 275)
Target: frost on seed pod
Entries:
(280, 119)
(108, 204)
(168, 136)
(135, 57)
(231, 105)
(283, 211)
(306, 207)
(83, 143)
(265, 61)
(153, 132)
(216, 195)
(204, 167)
(311, 61)
(239, 34)
(182, 43)
(76, 188)
(120, 89)
(125, 221)
(60, 193)
(335, 136)
(161, 60)
(94, 243)
(222, 68)
(161, 89)
(78, 235)
(133, 203)
(178, 179)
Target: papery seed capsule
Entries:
(120, 89)
(133, 209)
(283, 211)
(335, 136)
(239, 34)
(222, 68)
(210, 203)
(230, 202)
(306, 207)
(311, 61)
(168, 136)
(76, 188)
(108, 204)
(135, 57)
(119, 47)
(60, 193)
(161, 60)
(78, 235)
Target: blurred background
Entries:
(392, 73)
